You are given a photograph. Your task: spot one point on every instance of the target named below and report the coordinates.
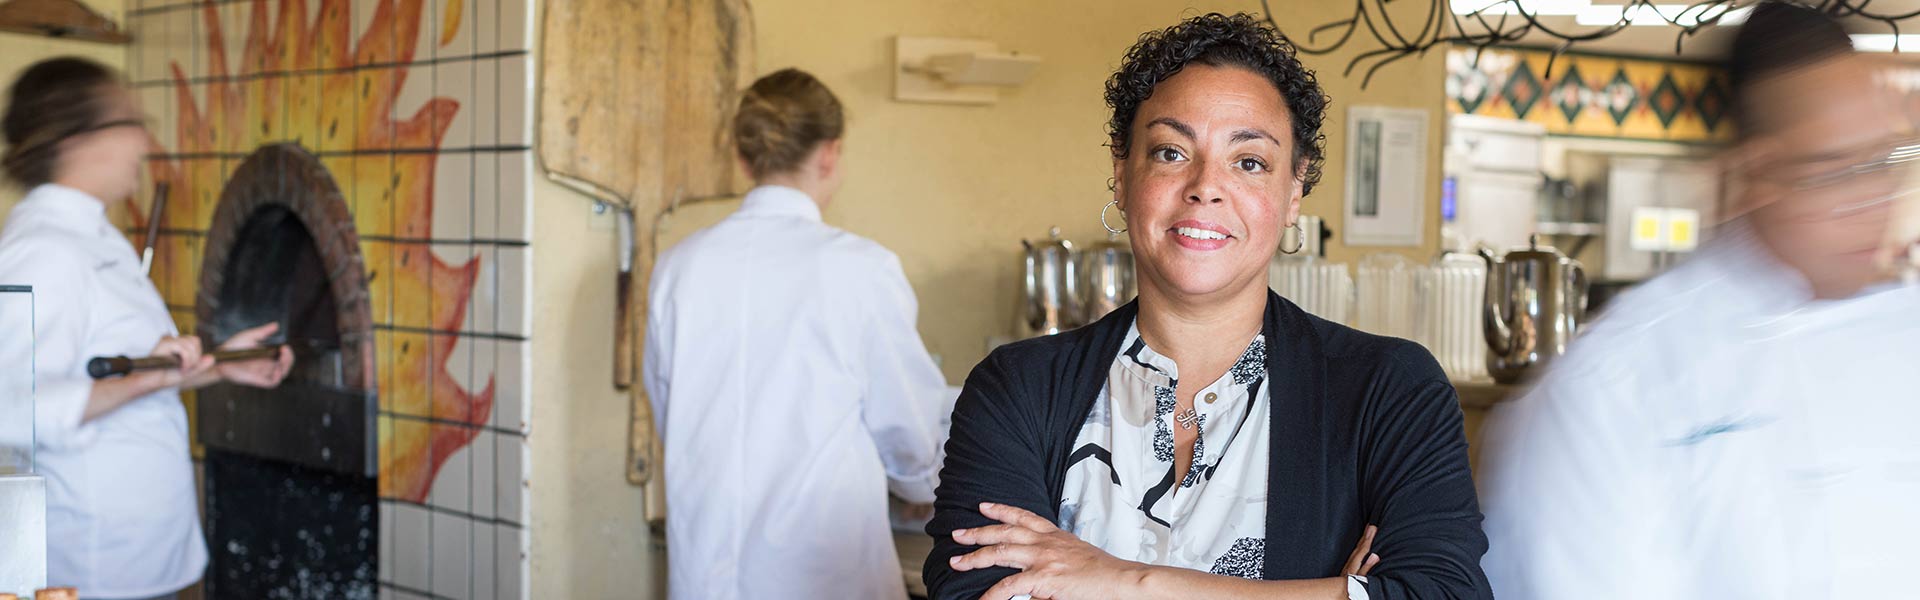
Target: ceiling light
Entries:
(1656, 15)
(1885, 42)
(1531, 7)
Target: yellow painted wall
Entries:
(950, 189)
(17, 51)
(589, 532)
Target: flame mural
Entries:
(314, 83)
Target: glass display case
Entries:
(23, 495)
(16, 380)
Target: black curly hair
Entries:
(1218, 40)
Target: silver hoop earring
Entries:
(1103, 217)
(1301, 239)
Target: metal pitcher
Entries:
(1050, 294)
(1536, 299)
(1106, 272)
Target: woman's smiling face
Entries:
(1208, 182)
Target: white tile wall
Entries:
(510, 556)
(516, 195)
(453, 79)
(516, 25)
(437, 549)
(512, 386)
(509, 483)
(516, 100)
(452, 486)
(453, 201)
(485, 471)
(452, 556)
(412, 534)
(482, 314)
(516, 283)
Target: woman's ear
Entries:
(827, 159)
(1119, 183)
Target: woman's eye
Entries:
(1251, 165)
(1167, 154)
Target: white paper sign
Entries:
(1683, 229)
(1664, 229)
(1386, 180)
(1649, 229)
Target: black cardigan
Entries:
(1366, 430)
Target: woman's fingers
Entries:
(1014, 515)
(1012, 556)
(1017, 585)
(186, 348)
(1358, 559)
(996, 534)
(1367, 567)
(251, 338)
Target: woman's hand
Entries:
(1363, 559)
(193, 364)
(261, 373)
(1054, 564)
(108, 395)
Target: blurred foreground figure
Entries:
(1740, 427)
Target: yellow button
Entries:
(1211, 397)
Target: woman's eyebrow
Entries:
(1253, 134)
(1174, 125)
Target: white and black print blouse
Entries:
(1119, 493)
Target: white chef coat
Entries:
(1717, 434)
(792, 393)
(121, 516)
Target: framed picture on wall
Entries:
(1386, 176)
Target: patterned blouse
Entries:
(1120, 480)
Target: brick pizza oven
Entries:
(291, 492)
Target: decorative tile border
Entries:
(1592, 95)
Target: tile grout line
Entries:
(196, 233)
(416, 592)
(356, 152)
(473, 364)
(438, 421)
(321, 71)
(450, 512)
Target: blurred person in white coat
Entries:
(122, 512)
(1742, 426)
(788, 381)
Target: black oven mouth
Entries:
(276, 275)
(282, 249)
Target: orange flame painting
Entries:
(314, 84)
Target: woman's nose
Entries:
(1204, 187)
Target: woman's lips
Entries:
(1199, 235)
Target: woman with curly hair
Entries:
(1211, 439)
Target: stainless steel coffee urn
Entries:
(1536, 299)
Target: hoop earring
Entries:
(1302, 238)
(1103, 217)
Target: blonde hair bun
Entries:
(782, 118)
